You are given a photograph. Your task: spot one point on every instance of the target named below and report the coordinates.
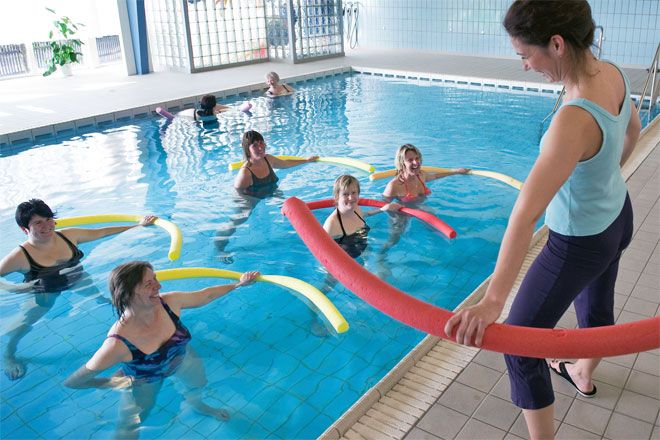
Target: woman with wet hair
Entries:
(50, 262)
(151, 342)
(577, 182)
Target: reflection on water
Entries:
(267, 361)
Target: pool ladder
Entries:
(599, 48)
(652, 79)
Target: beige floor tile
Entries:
(624, 427)
(568, 432)
(638, 406)
(461, 398)
(443, 421)
(476, 430)
(418, 434)
(497, 412)
(643, 383)
(640, 306)
(491, 359)
(611, 373)
(479, 377)
(648, 363)
(587, 416)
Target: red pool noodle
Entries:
(593, 342)
(418, 213)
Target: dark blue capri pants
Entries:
(581, 270)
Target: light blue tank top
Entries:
(593, 196)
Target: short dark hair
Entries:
(26, 210)
(122, 282)
(249, 138)
(207, 103)
(534, 22)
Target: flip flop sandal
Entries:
(562, 372)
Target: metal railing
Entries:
(108, 48)
(43, 52)
(30, 58)
(13, 60)
(651, 78)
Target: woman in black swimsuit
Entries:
(346, 224)
(50, 262)
(256, 180)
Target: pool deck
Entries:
(440, 390)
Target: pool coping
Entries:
(73, 127)
(392, 407)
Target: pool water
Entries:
(269, 359)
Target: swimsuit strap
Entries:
(33, 263)
(427, 191)
(72, 246)
(358, 215)
(173, 316)
(254, 176)
(343, 231)
(135, 352)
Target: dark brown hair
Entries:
(123, 281)
(534, 22)
(249, 138)
(26, 210)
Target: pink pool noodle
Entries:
(164, 113)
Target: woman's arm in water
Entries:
(82, 235)
(198, 298)
(111, 353)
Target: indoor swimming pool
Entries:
(276, 367)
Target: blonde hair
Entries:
(400, 159)
(273, 76)
(342, 183)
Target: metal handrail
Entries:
(599, 46)
(651, 77)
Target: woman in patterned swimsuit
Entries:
(151, 342)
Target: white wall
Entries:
(28, 20)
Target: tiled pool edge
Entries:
(394, 405)
(82, 125)
(78, 126)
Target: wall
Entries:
(631, 27)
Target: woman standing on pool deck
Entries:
(409, 183)
(577, 177)
(50, 263)
(149, 322)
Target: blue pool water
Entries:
(266, 356)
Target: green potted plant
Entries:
(64, 47)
